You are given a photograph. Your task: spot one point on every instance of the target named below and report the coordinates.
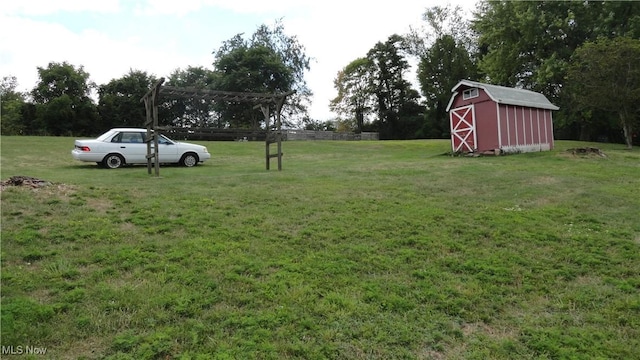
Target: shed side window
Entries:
(470, 93)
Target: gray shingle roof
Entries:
(506, 95)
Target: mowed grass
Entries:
(356, 250)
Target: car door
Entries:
(131, 145)
(167, 150)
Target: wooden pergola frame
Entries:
(262, 100)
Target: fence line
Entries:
(210, 134)
(329, 135)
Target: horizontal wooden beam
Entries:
(172, 92)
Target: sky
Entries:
(108, 38)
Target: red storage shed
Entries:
(486, 117)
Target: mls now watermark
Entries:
(23, 350)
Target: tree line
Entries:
(61, 103)
(582, 55)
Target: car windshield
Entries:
(164, 140)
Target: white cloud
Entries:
(335, 36)
(171, 7)
(333, 33)
(102, 56)
(44, 7)
(21, 50)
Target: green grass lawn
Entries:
(356, 250)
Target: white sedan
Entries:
(123, 146)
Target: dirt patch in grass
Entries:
(473, 329)
(27, 181)
(43, 296)
(591, 155)
(100, 205)
(127, 226)
(543, 180)
(91, 348)
(587, 151)
(36, 185)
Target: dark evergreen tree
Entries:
(444, 64)
(395, 100)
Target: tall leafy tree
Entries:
(316, 125)
(440, 21)
(268, 61)
(12, 103)
(354, 100)
(190, 112)
(396, 103)
(529, 44)
(444, 47)
(254, 69)
(62, 98)
(605, 75)
(119, 100)
(445, 63)
(293, 55)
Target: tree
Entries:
(530, 44)
(354, 98)
(269, 61)
(190, 112)
(119, 100)
(445, 63)
(441, 21)
(444, 46)
(396, 102)
(62, 98)
(256, 69)
(12, 103)
(293, 56)
(605, 75)
(316, 125)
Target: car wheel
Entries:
(189, 160)
(113, 161)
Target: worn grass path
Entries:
(356, 250)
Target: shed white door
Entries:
(463, 129)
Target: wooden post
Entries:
(156, 158)
(267, 140)
(150, 100)
(279, 104)
(148, 122)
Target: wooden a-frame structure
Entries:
(262, 101)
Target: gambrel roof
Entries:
(505, 95)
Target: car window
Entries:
(128, 138)
(106, 136)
